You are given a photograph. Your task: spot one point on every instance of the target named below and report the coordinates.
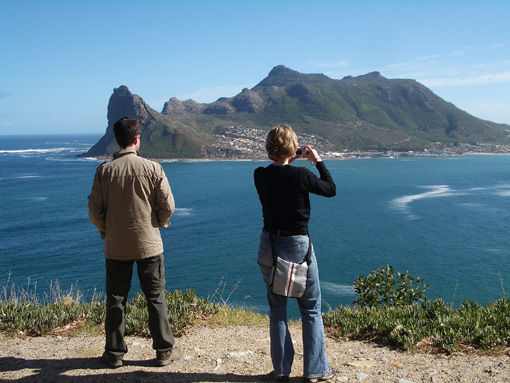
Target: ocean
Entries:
(443, 219)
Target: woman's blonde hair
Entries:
(281, 143)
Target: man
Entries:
(130, 200)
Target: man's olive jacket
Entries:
(130, 200)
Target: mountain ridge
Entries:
(367, 112)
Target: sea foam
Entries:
(183, 212)
(402, 203)
(338, 289)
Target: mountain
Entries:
(368, 112)
(161, 137)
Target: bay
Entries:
(443, 219)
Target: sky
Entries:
(61, 60)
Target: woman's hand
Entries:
(293, 158)
(311, 154)
(308, 153)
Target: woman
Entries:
(284, 193)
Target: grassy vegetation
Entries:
(23, 311)
(433, 325)
(402, 323)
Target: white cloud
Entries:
(395, 67)
(496, 112)
(485, 79)
(4, 93)
(462, 52)
(430, 57)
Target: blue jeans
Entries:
(294, 249)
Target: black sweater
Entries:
(284, 194)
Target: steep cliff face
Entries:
(161, 137)
(122, 103)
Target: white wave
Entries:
(500, 190)
(183, 212)
(503, 193)
(21, 177)
(26, 176)
(402, 203)
(493, 250)
(84, 144)
(36, 151)
(337, 289)
(474, 205)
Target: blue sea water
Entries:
(443, 219)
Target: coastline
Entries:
(324, 158)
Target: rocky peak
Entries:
(281, 70)
(176, 106)
(281, 76)
(247, 101)
(123, 103)
(371, 76)
(219, 107)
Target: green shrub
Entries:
(381, 287)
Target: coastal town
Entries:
(238, 142)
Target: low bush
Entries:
(435, 324)
(27, 315)
(395, 311)
(184, 308)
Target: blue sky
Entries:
(61, 60)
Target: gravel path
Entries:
(232, 354)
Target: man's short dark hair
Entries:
(126, 130)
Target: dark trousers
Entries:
(151, 273)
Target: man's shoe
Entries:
(110, 360)
(271, 377)
(163, 360)
(325, 378)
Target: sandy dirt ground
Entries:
(232, 354)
